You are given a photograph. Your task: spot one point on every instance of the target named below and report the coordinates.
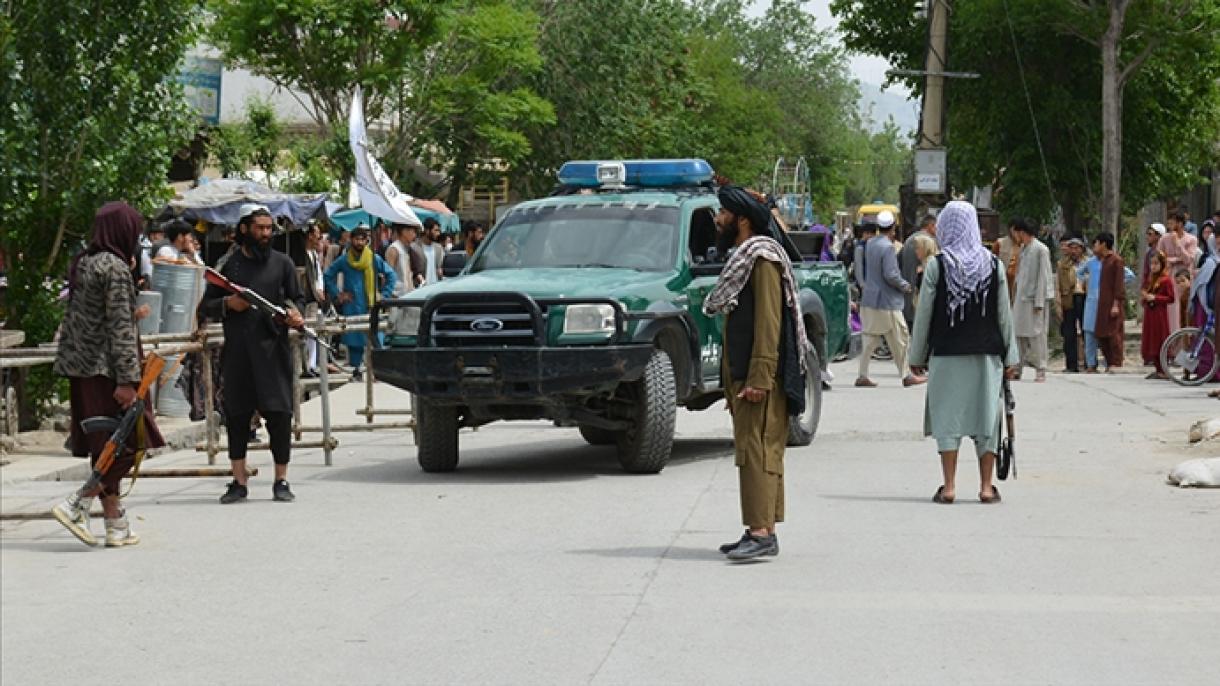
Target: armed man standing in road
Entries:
(882, 302)
(762, 362)
(257, 360)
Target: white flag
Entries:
(378, 194)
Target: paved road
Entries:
(539, 562)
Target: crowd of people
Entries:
(253, 373)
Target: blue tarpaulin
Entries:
(220, 201)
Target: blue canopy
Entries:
(350, 219)
(220, 201)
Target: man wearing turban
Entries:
(762, 366)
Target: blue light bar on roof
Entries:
(647, 173)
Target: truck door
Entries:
(704, 273)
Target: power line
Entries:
(1046, 174)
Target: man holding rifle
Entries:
(99, 353)
(256, 361)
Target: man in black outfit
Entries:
(256, 360)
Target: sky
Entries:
(867, 69)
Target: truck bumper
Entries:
(478, 375)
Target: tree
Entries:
(438, 73)
(1123, 52)
(324, 49)
(256, 142)
(1171, 100)
(463, 103)
(90, 114)
(624, 94)
(687, 79)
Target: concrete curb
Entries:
(57, 468)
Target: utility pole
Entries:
(931, 170)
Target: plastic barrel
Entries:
(181, 288)
(152, 323)
(170, 400)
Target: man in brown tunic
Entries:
(753, 291)
(1110, 300)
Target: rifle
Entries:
(277, 313)
(153, 366)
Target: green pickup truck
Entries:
(586, 308)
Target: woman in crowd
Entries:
(1159, 299)
(964, 339)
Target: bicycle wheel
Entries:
(1185, 355)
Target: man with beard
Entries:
(429, 247)
(257, 362)
(99, 353)
(474, 236)
(762, 362)
(362, 271)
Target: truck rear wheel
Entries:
(596, 436)
(436, 430)
(802, 428)
(645, 447)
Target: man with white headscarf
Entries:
(882, 301)
(964, 340)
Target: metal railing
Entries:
(207, 339)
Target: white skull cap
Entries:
(252, 207)
(885, 219)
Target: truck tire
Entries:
(803, 428)
(596, 436)
(436, 431)
(645, 447)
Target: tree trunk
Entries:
(1112, 120)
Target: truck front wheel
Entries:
(645, 447)
(436, 430)
(802, 428)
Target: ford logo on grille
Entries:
(486, 325)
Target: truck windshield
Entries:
(614, 236)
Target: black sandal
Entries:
(993, 499)
(940, 497)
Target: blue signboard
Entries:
(200, 77)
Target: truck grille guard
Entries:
(513, 319)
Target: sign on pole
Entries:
(200, 78)
(930, 171)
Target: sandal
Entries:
(993, 499)
(940, 497)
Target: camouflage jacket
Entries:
(98, 336)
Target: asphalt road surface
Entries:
(539, 562)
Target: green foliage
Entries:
(89, 112)
(265, 135)
(1171, 104)
(881, 163)
(326, 48)
(464, 103)
(444, 74)
(628, 93)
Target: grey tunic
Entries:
(965, 392)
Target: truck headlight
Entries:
(589, 319)
(408, 321)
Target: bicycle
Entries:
(1184, 351)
